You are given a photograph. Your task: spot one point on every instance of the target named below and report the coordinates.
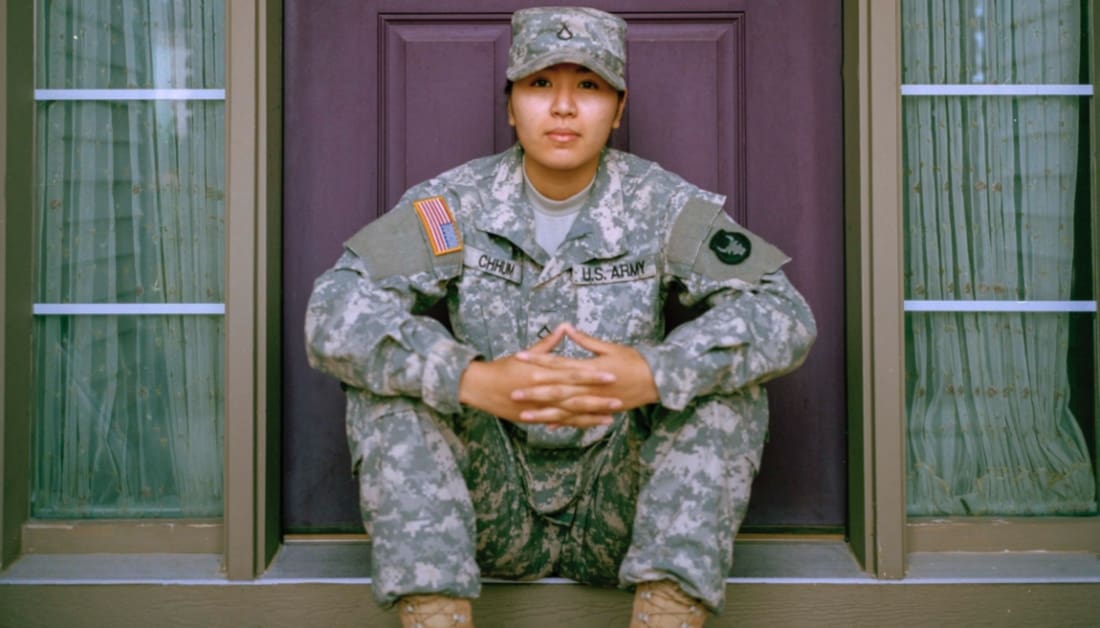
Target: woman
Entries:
(555, 428)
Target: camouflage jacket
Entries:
(467, 236)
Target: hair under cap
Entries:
(546, 36)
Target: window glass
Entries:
(991, 41)
(129, 416)
(132, 201)
(130, 262)
(131, 44)
(1000, 309)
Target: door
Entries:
(739, 97)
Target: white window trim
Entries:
(126, 309)
(999, 306)
(916, 89)
(129, 94)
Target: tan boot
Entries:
(434, 611)
(663, 604)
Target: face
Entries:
(563, 116)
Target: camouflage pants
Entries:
(448, 499)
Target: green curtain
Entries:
(990, 192)
(129, 416)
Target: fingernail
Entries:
(517, 395)
(522, 355)
(607, 377)
(615, 404)
(606, 421)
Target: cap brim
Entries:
(566, 56)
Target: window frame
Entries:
(247, 532)
(984, 534)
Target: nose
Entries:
(563, 104)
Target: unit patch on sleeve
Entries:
(439, 225)
(731, 247)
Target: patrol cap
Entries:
(545, 36)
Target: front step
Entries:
(773, 584)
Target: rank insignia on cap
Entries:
(731, 247)
(439, 224)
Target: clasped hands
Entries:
(537, 386)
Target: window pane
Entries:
(992, 424)
(132, 202)
(131, 44)
(988, 42)
(129, 416)
(1001, 413)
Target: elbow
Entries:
(803, 333)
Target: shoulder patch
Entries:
(398, 244)
(731, 247)
(706, 241)
(439, 225)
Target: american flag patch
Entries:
(439, 224)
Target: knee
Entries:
(389, 424)
(731, 427)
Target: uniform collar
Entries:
(599, 231)
(506, 211)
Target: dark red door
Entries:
(739, 97)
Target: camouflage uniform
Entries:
(449, 493)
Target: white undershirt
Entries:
(553, 219)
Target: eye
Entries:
(540, 82)
(589, 84)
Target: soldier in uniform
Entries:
(554, 427)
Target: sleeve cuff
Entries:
(675, 385)
(443, 369)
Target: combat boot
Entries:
(663, 604)
(434, 611)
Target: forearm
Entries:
(746, 337)
(366, 337)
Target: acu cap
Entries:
(546, 36)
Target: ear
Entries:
(619, 114)
(511, 116)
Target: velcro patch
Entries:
(612, 272)
(439, 225)
(707, 242)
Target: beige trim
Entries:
(856, 193)
(994, 534)
(269, 289)
(6, 553)
(123, 537)
(552, 606)
(873, 233)
(885, 275)
(241, 307)
(253, 131)
(16, 280)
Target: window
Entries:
(130, 265)
(1000, 309)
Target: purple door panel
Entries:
(741, 97)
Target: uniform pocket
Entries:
(619, 300)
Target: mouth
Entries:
(562, 135)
